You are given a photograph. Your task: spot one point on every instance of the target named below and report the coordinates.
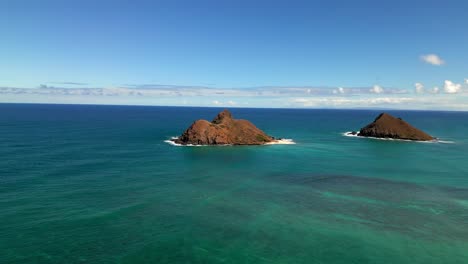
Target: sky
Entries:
(312, 54)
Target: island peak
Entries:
(224, 115)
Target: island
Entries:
(223, 130)
(388, 126)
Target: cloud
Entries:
(44, 86)
(220, 103)
(301, 100)
(340, 90)
(71, 83)
(466, 81)
(451, 88)
(435, 90)
(419, 87)
(376, 89)
(432, 59)
(353, 102)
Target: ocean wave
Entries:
(445, 141)
(171, 142)
(283, 141)
(351, 134)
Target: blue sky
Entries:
(363, 53)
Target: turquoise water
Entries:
(98, 184)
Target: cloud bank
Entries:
(268, 96)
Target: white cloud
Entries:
(230, 102)
(389, 100)
(301, 100)
(433, 59)
(435, 90)
(450, 87)
(340, 90)
(376, 89)
(466, 81)
(419, 87)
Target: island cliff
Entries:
(223, 130)
(388, 126)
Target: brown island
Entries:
(388, 126)
(223, 130)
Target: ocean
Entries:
(99, 184)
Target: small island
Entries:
(388, 126)
(223, 130)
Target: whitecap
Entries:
(173, 143)
(446, 141)
(283, 141)
(350, 134)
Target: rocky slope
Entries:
(388, 126)
(223, 130)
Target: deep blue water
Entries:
(88, 184)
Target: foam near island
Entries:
(356, 135)
(173, 143)
(281, 141)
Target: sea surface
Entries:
(98, 184)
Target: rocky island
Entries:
(223, 130)
(388, 126)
